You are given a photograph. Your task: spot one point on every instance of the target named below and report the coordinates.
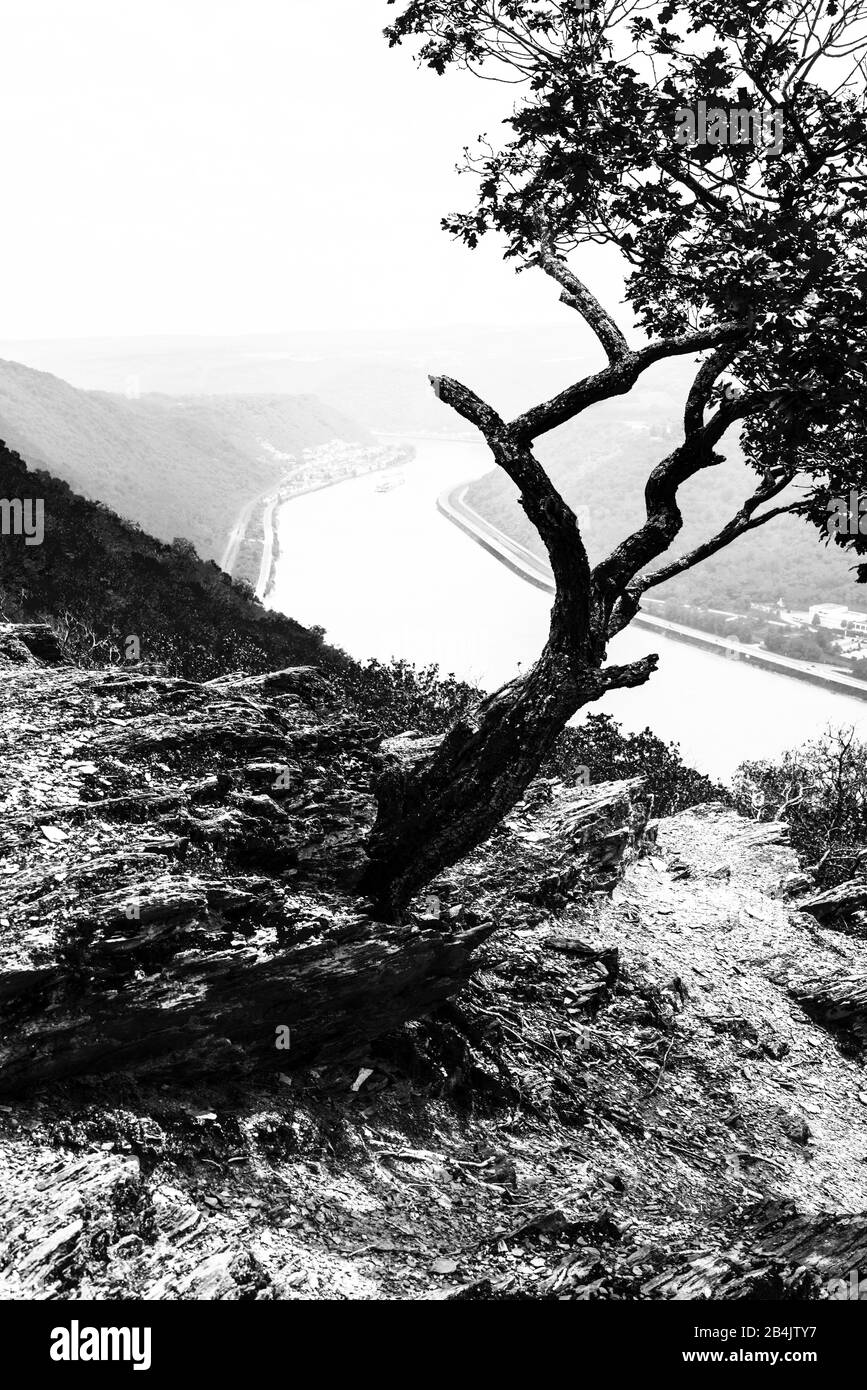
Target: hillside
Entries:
(175, 465)
(601, 463)
(101, 581)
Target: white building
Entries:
(839, 617)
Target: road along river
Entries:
(386, 574)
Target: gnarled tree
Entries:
(749, 253)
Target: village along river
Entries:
(386, 575)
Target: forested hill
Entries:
(601, 462)
(176, 465)
(100, 581)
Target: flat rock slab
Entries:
(177, 871)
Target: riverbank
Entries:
(533, 570)
(253, 548)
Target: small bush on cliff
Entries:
(600, 745)
(400, 696)
(820, 790)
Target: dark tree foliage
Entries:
(771, 244)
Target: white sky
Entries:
(233, 166)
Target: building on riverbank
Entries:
(838, 617)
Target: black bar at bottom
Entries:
(164, 1340)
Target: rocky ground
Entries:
(633, 1096)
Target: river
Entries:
(387, 575)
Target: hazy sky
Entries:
(232, 166)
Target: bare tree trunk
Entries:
(440, 798)
(437, 803)
(435, 810)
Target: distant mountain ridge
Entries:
(186, 464)
(174, 465)
(377, 377)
